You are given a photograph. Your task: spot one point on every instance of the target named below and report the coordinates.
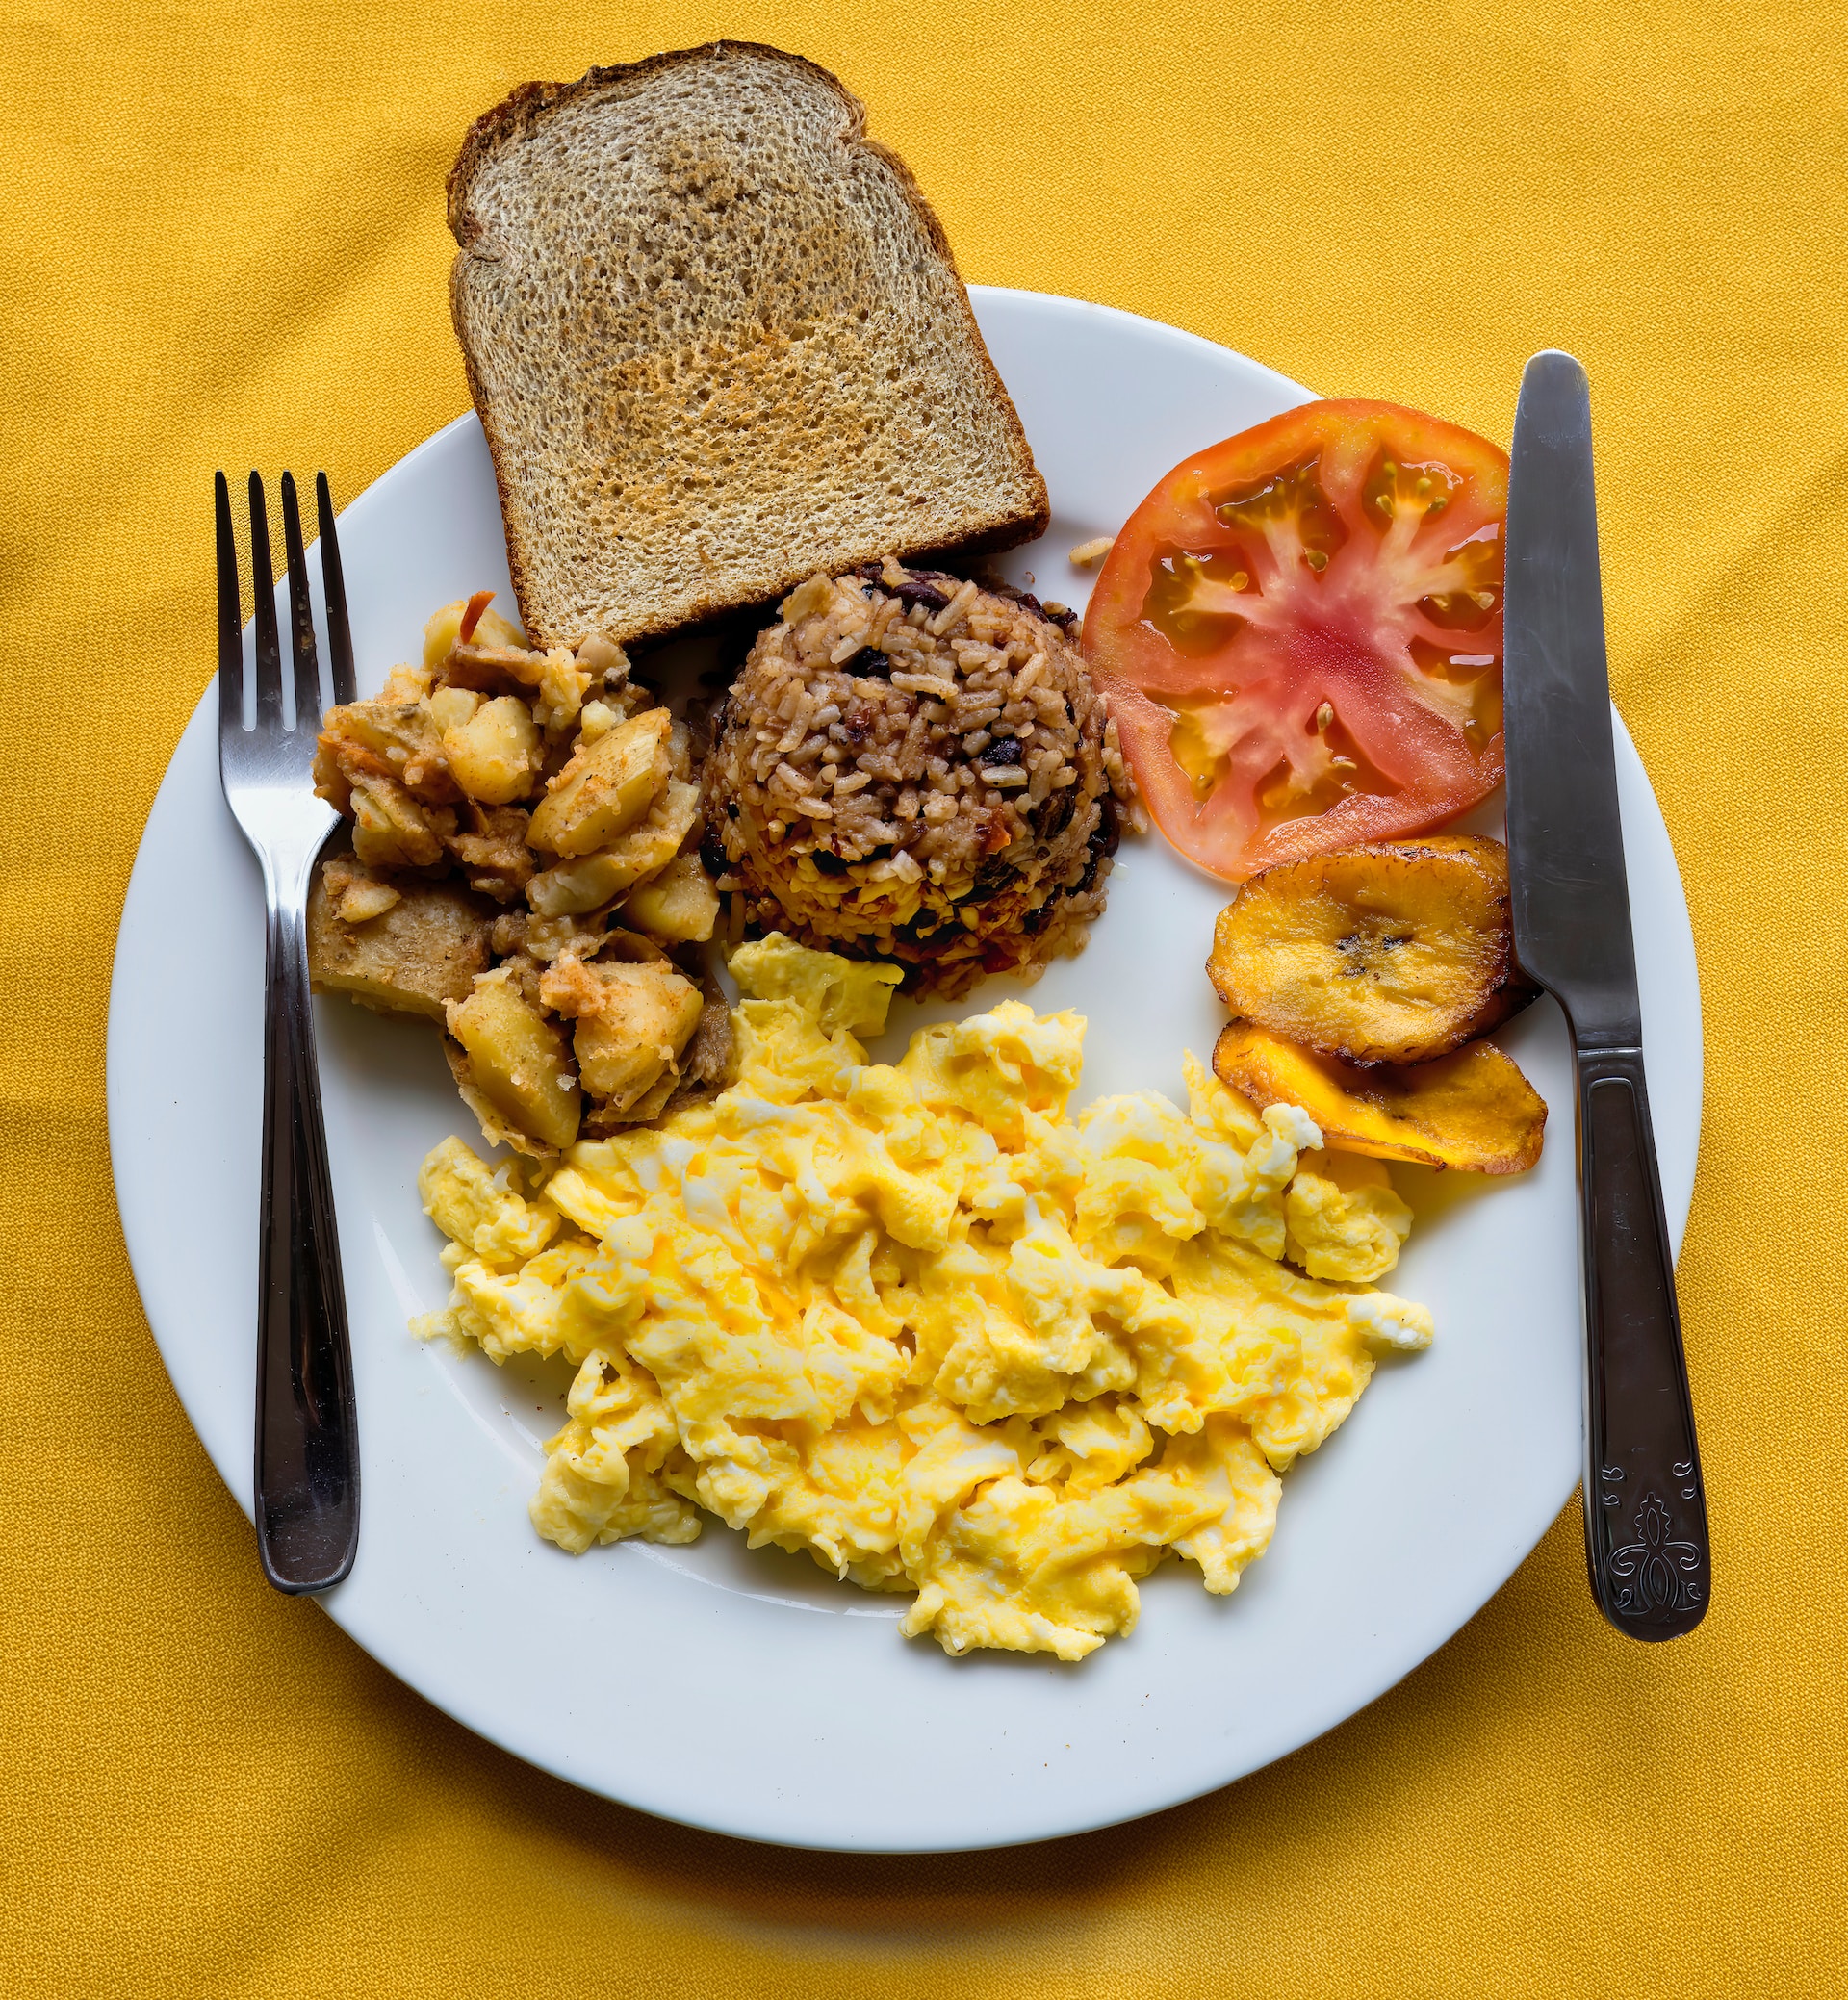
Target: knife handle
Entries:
(1645, 1507)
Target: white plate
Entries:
(750, 1693)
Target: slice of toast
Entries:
(717, 342)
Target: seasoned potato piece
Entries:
(596, 719)
(452, 706)
(353, 892)
(1397, 952)
(392, 830)
(563, 683)
(632, 1023)
(404, 684)
(707, 1064)
(517, 1059)
(495, 1129)
(575, 886)
(496, 754)
(678, 905)
(1474, 1109)
(555, 680)
(605, 789)
(401, 947)
(490, 630)
(395, 740)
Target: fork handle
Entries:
(1646, 1540)
(307, 1432)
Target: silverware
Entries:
(1645, 1509)
(307, 1437)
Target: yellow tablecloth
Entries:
(225, 246)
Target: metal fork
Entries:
(307, 1436)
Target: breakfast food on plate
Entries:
(396, 943)
(1299, 632)
(1474, 1109)
(914, 1320)
(1395, 952)
(1361, 978)
(721, 357)
(917, 1323)
(523, 868)
(914, 768)
(717, 342)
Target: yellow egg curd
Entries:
(917, 1323)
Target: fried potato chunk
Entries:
(401, 946)
(679, 905)
(391, 739)
(1473, 1111)
(605, 789)
(468, 646)
(517, 1067)
(1397, 952)
(632, 1021)
(556, 681)
(393, 830)
(443, 633)
(496, 752)
(575, 886)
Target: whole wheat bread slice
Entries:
(717, 341)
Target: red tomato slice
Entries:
(1300, 634)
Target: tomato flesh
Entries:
(1299, 631)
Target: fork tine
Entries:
(268, 646)
(302, 615)
(333, 584)
(230, 625)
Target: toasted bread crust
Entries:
(527, 104)
(524, 113)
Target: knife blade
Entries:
(1645, 1534)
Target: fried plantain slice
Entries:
(1473, 1111)
(1397, 952)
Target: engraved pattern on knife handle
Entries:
(1646, 1540)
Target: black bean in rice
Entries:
(911, 767)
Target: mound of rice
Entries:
(910, 767)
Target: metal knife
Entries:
(1646, 1542)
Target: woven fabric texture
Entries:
(226, 245)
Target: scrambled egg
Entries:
(916, 1322)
